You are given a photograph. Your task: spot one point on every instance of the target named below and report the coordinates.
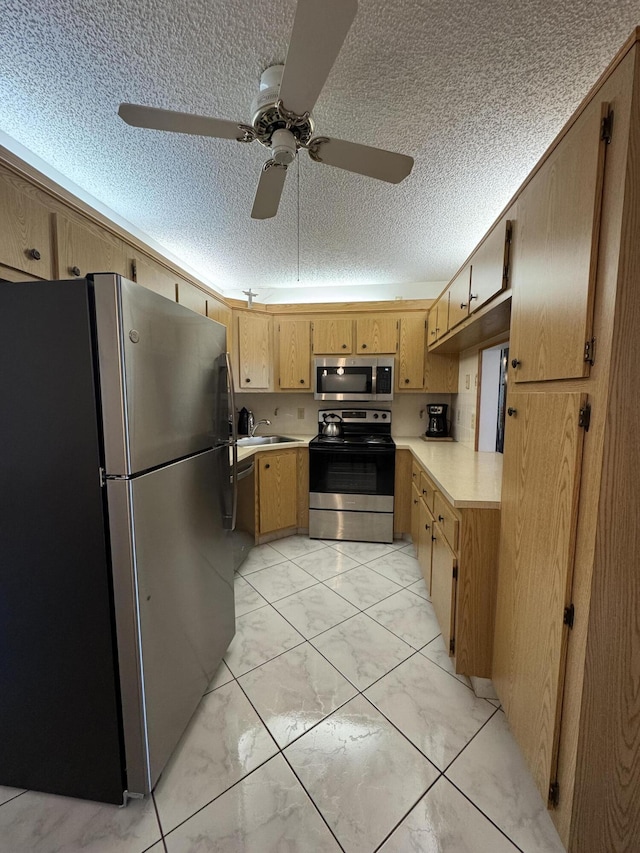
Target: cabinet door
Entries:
(84, 249)
(490, 264)
(415, 516)
(192, 297)
(554, 257)
(155, 277)
(26, 228)
(438, 319)
(254, 348)
(277, 484)
(333, 336)
(294, 339)
(425, 542)
(411, 349)
(444, 566)
(537, 536)
(376, 335)
(440, 373)
(459, 297)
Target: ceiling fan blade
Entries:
(372, 162)
(175, 122)
(319, 30)
(270, 185)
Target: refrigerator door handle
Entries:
(233, 442)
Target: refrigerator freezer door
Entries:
(156, 365)
(173, 587)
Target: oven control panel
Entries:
(356, 416)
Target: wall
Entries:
(408, 416)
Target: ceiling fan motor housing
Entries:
(267, 119)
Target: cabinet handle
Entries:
(472, 296)
(511, 412)
(344, 346)
(406, 381)
(515, 363)
(364, 346)
(424, 491)
(75, 271)
(302, 381)
(433, 333)
(463, 304)
(426, 527)
(415, 500)
(247, 379)
(433, 538)
(267, 465)
(34, 254)
(440, 518)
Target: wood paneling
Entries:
(537, 539)
(440, 373)
(294, 347)
(402, 493)
(191, 297)
(156, 277)
(554, 252)
(333, 335)
(277, 478)
(25, 229)
(303, 488)
(376, 334)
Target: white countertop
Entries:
(465, 478)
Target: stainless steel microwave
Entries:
(353, 378)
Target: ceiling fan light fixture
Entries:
(283, 147)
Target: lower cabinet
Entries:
(274, 502)
(457, 551)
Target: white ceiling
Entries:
(474, 91)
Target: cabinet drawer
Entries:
(447, 520)
(428, 490)
(416, 470)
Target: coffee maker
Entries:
(437, 420)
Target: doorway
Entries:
(492, 397)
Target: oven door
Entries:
(344, 478)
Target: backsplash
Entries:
(464, 411)
(298, 413)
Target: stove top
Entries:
(348, 440)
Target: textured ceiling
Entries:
(474, 91)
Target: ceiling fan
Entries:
(282, 109)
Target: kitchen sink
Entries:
(252, 441)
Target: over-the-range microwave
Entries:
(353, 378)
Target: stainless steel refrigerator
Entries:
(116, 505)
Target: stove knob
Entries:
(384, 417)
(376, 416)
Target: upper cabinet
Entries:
(438, 319)
(25, 229)
(411, 351)
(376, 335)
(155, 277)
(254, 351)
(191, 297)
(459, 296)
(333, 336)
(87, 248)
(555, 257)
(294, 348)
(491, 264)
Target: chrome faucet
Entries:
(255, 426)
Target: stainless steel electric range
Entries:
(351, 476)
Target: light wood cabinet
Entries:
(376, 335)
(152, 275)
(490, 264)
(438, 319)
(425, 541)
(333, 336)
(254, 351)
(444, 574)
(402, 495)
(411, 351)
(191, 297)
(537, 542)
(555, 254)
(26, 229)
(294, 349)
(87, 248)
(459, 290)
(277, 488)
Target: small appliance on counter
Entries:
(437, 424)
(246, 421)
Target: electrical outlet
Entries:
(475, 381)
(473, 420)
(300, 414)
(467, 381)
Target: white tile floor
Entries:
(335, 723)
